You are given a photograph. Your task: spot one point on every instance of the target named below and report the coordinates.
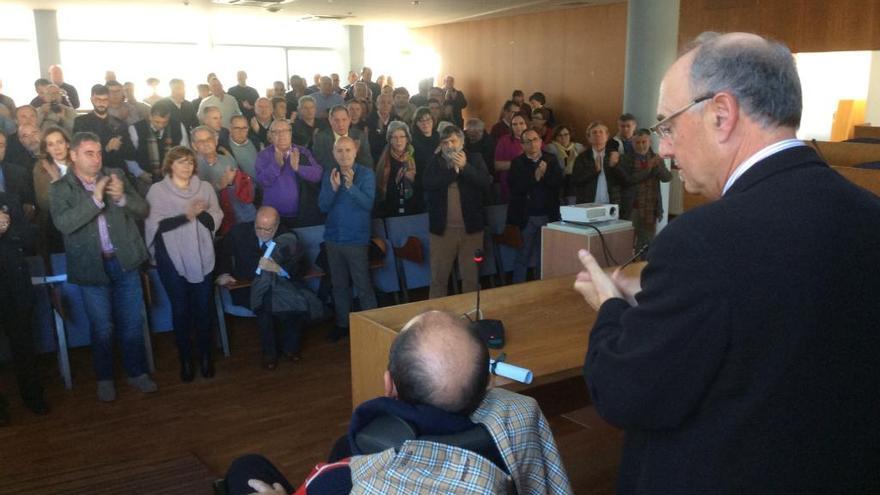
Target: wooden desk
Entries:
(547, 324)
(560, 242)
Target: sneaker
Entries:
(143, 383)
(106, 391)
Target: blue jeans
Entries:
(531, 237)
(118, 306)
(191, 306)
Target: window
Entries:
(827, 78)
(18, 64)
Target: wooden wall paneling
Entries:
(574, 56)
(804, 25)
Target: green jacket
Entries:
(75, 215)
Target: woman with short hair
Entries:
(184, 214)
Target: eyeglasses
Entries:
(663, 129)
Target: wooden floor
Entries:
(292, 415)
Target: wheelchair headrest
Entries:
(389, 431)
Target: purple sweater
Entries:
(280, 186)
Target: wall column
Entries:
(651, 47)
(355, 48)
(48, 46)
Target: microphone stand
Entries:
(478, 315)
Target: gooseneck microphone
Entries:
(490, 331)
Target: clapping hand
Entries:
(294, 158)
(5, 220)
(335, 179)
(459, 161)
(348, 177)
(613, 158)
(115, 188)
(114, 143)
(541, 170)
(196, 208)
(100, 186)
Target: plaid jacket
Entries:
(521, 434)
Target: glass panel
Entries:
(263, 65)
(18, 70)
(86, 62)
(307, 63)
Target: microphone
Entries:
(490, 331)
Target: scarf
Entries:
(568, 154)
(190, 246)
(383, 171)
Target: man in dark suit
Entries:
(152, 138)
(340, 123)
(14, 179)
(244, 251)
(116, 146)
(535, 179)
(16, 303)
(594, 177)
(745, 360)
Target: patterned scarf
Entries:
(568, 153)
(383, 171)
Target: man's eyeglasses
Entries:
(663, 129)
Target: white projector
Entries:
(589, 213)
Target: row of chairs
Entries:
(407, 263)
(62, 322)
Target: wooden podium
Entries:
(547, 326)
(560, 242)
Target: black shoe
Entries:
(186, 370)
(337, 333)
(37, 405)
(208, 365)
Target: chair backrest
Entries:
(160, 304)
(389, 431)
(76, 320)
(385, 277)
(311, 239)
(496, 216)
(42, 307)
(400, 229)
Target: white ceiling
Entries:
(411, 13)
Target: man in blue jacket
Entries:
(347, 194)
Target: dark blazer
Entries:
(106, 129)
(172, 135)
(584, 177)
(19, 182)
(15, 244)
(185, 115)
(523, 187)
(17, 154)
(473, 186)
(240, 255)
(323, 148)
(750, 363)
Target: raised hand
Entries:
(335, 179)
(100, 186)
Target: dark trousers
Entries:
(190, 306)
(349, 263)
(289, 327)
(15, 322)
